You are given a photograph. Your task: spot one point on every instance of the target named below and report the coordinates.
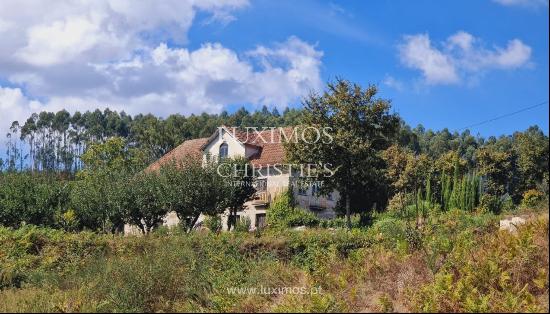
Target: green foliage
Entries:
(457, 261)
(500, 272)
(243, 225)
(191, 189)
(362, 126)
(507, 204)
(495, 167)
(460, 192)
(145, 204)
(531, 148)
(213, 223)
(532, 199)
(490, 203)
(282, 214)
(340, 222)
(27, 198)
(301, 217)
(99, 199)
(238, 187)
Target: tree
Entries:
(409, 174)
(100, 195)
(98, 200)
(146, 203)
(29, 198)
(193, 189)
(495, 167)
(531, 148)
(360, 127)
(406, 171)
(238, 186)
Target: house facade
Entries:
(265, 151)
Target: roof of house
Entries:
(187, 149)
(270, 149)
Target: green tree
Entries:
(495, 167)
(361, 127)
(99, 196)
(238, 188)
(193, 189)
(145, 200)
(531, 148)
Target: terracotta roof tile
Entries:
(187, 149)
(270, 149)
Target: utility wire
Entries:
(503, 116)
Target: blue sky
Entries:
(443, 64)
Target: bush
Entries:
(454, 261)
(507, 204)
(243, 225)
(399, 202)
(213, 223)
(500, 272)
(388, 231)
(490, 203)
(340, 222)
(532, 198)
(282, 214)
(300, 217)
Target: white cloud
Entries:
(167, 80)
(515, 55)
(14, 106)
(97, 53)
(61, 41)
(417, 52)
(523, 3)
(393, 83)
(460, 57)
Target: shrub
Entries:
(507, 203)
(340, 222)
(500, 272)
(213, 223)
(282, 214)
(388, 231)
(300, 217)
(490, 203)
(243, 225)
(532, 198)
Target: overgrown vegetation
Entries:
(457, 261)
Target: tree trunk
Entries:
(231, 220)
(193, 222)
(348, 212)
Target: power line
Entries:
(503, 116)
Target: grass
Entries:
(456, 261)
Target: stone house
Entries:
(265, 151)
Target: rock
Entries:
(300, 228)
(511, 224)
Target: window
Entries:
(224, 150)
